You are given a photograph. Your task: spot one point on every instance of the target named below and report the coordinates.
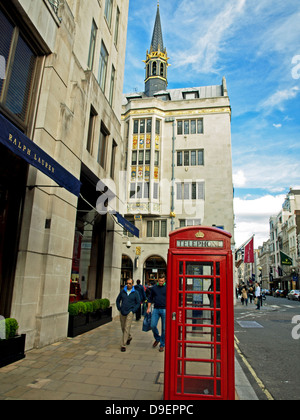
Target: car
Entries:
(266, 292)
(294, 295)
(280, 293)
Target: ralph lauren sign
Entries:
(21, 145)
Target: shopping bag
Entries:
(147, 323)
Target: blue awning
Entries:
(22, 146)
(127, 225)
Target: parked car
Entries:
(294, 295)
(266, 292)
(277, 293)
(280, 293)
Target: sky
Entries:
(256, 46)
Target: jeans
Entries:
(156, 314)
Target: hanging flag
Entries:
(285, 259)
(249, 252)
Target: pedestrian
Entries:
(128, 302)
(142, 294)
(148, 289)
(158, 298)
(257, 296)
(244, 296)
(250, 294)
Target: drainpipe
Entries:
(172, 214)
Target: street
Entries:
(270, 343)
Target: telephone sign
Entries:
(199, 354)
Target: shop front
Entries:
(154, 266)
(89, 244)
(127, 270)
(13, 175)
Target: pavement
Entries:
(92, 367)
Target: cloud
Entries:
(198, 45)
(277, 125)
(239, 179)
(277, 100)
(252, 217)
(267, 172)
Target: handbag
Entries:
(147, 323)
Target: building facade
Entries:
(284, 244)
(178, 166)
(61, 96)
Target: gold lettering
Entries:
(10, 137)
(46, 165)
(35, 158)
(28, 152)
(15, 142)
(20, 145)
(24, 148)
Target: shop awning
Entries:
(22, 146)
(127, 225)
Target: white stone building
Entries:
(178, 168)
(61, 95)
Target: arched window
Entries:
(154, 68)
(162, 70)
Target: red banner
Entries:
(249, 252)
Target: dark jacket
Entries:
(128, 303)
(158, 296)
(141, 291)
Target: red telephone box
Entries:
(199, 353)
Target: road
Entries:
(265, 340)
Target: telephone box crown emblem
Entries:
(200, 234)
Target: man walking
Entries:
(128, 302)
(140, 288)
(257, 296)
(158, 297)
